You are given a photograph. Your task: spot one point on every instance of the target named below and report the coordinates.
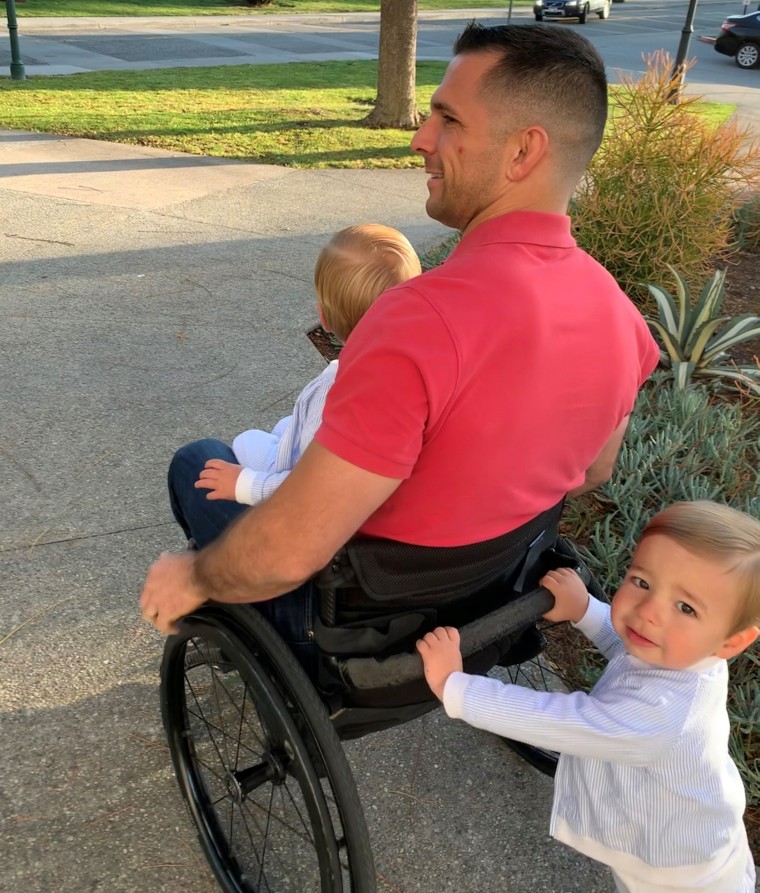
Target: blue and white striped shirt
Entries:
(645, 782)
(268, 458)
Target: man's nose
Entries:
(420, 141)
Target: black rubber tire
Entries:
(260, 706)
(583, 15)
(539, 18)
(748, 55)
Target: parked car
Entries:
(571, 9)
(740, 37)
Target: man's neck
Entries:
(502, 208)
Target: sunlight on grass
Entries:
(275, 114)
(291, 114)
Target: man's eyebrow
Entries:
(439, 106)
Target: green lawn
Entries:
(303, 114)
(98, 8)
(294, 114)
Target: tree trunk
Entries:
(396, 103)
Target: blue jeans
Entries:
(291, 614)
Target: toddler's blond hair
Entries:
(355, 267)
(730, 537)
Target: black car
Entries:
(571, 9)
(740, 37)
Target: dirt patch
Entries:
(743, 296)
(324, 342)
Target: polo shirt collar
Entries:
(524, 227)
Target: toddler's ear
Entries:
(322, 320)
(738, 642)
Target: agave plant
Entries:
(696, 337)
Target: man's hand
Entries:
(170, 591)
(441, 657)
(571, 598)
(219, 478)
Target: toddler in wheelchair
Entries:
(356, 266)
(645, 783)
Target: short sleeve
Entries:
(397, 373)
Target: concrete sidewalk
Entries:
(149, 298)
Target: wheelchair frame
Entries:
(256, 744)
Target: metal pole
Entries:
(676, 79)
(17, 66)
(509, 13)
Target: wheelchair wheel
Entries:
(556, 668)
(262, 771)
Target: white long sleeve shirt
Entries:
(645, 782)
(268, 457)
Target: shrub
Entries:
(696, 337)
(664, 186)
(747, 224)
(679, 446)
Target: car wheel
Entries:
(539, 17)
(583, 15)
(748, 55)
(604, 12)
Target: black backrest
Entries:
(386, 570)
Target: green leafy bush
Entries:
(696, 337)
(664, 187)
(680, 446)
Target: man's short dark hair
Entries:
(547, 73)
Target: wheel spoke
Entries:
(208, 725)
(298, 813)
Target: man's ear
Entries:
(738, 642)
(525, 150)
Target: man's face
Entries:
(463, 157)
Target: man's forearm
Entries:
(244, 564)
(277, 545)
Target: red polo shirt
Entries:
(489, 384)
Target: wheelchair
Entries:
(255, 737)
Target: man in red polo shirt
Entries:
(476, 396)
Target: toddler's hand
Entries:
(219, 478)
(441, 657)
(569, 591)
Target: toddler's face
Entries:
(675, 608)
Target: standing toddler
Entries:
(645, 782)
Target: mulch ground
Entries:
(743, 296)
